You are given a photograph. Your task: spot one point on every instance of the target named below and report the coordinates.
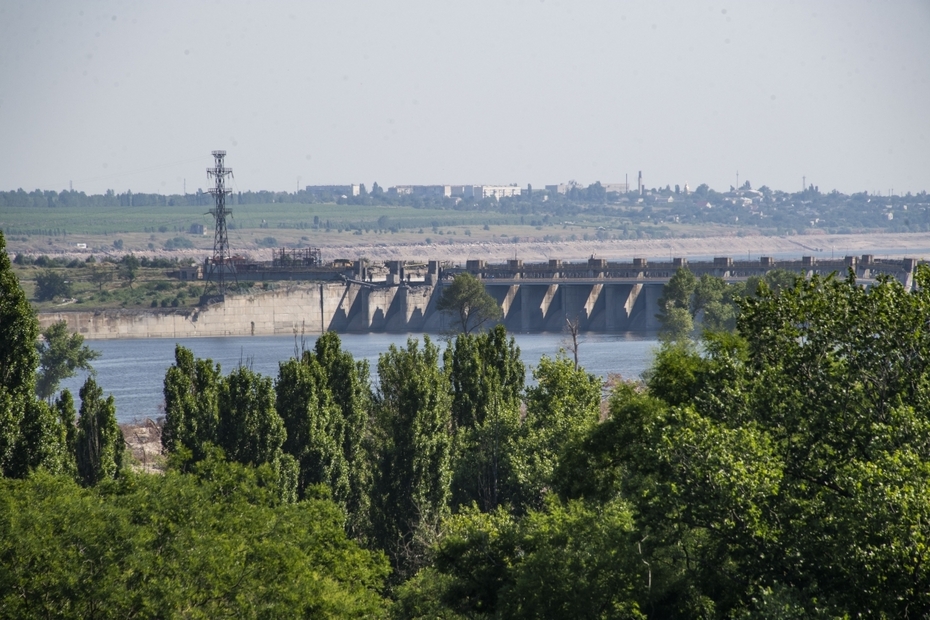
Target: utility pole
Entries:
(221, 262)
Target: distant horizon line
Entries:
(631, 190)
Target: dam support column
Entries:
(535, 301)
(579, 302)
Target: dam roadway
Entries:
(602, 296)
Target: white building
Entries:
(564, 188)
(422, 190)
(492, 191)
(336, 190)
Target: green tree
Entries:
(348, 381)
(192, 418)
(707, 301)
(129, 266)
(775, 281)
(313, 423)
(211, 544)
(467, 303)
(413, 450)
(51, 284)
(19, 331)
(250, 430)
(560, 410)
(675, 318)
(99, 443)
(785, 465)
(487, 377)
(100, 275)
(714, 302)
(67, 417)
(61, 355)
(565, 561)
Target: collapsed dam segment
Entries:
(401, 297)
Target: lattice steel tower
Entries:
(221, 264)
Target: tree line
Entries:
(776, 468)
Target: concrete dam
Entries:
(602, 296)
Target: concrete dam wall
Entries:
(601, 296)
(354, 307)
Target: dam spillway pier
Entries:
(401, 296)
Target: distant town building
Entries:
(561, 188)
(564, 188)
(421, 190)
(335, 190)
(491, 191)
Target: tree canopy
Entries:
(213, 543)
(61, 355)
(467, 303)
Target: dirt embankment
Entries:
(916, 245)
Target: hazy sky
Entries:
(135, 95)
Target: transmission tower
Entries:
(221, 264)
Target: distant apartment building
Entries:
(564, 188)
(491, 191)
(442, 191)
(335, 190)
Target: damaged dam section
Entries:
(602, 296)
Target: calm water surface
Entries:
(133, 370)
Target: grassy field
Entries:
(118, 230)
(121, 220)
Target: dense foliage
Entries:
(213, 543)
(777, 467)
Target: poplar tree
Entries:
(349, 383)
(313, 426)
(30, 433)
(42, 442)
(99, 441)
(191, 390)
(250, 430)
(412, 486)
(486, 378)
(19, 331)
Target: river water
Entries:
(133, 370)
